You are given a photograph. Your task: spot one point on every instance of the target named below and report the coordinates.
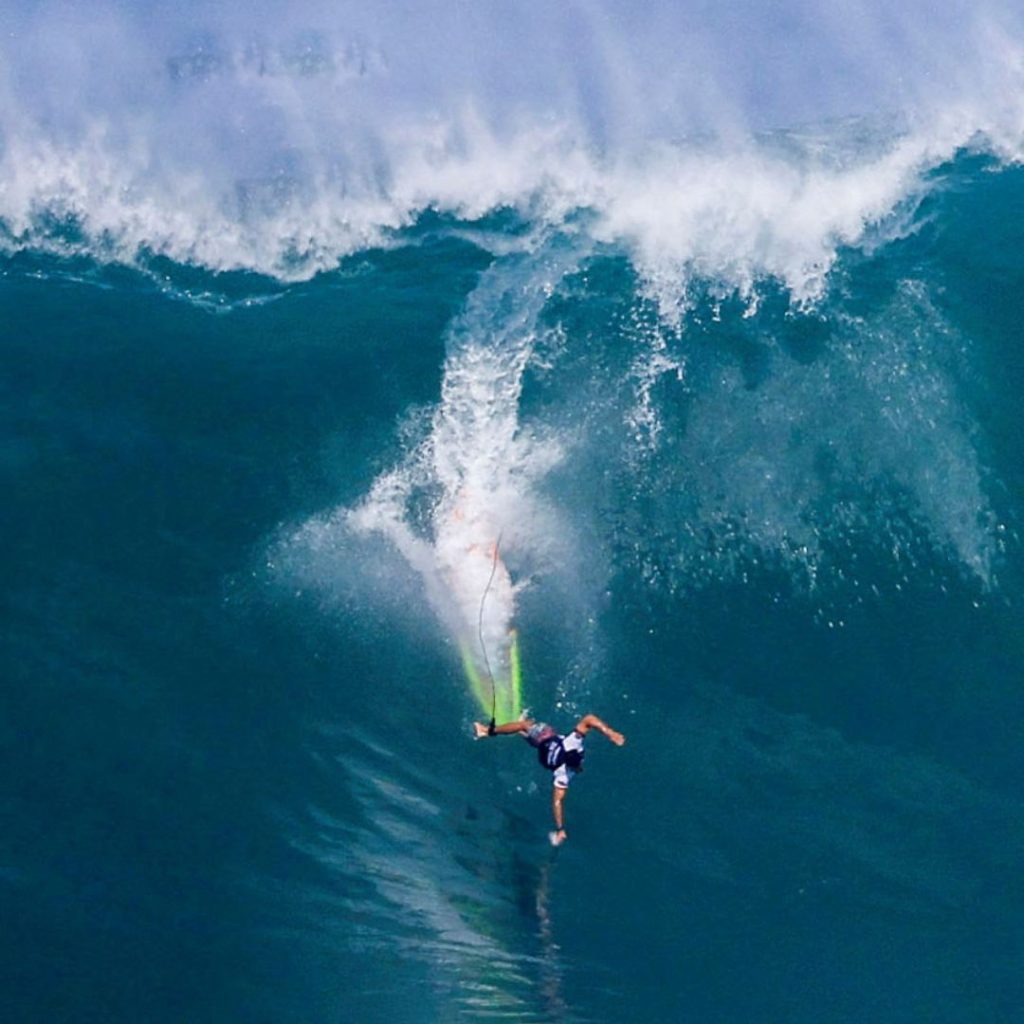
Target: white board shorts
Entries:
(540, 731)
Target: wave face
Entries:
(343, 343)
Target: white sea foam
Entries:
(283, 145)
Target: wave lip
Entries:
(283, 150)
(731, 217)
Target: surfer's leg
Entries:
(557, 797)
(506, 729)
(523, 725)
(588, 722)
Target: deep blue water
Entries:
(758, 476)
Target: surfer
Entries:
(561, 755)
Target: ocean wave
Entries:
(282, 149)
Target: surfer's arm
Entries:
(481, 731)
(588, 722)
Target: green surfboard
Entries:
(507, 696)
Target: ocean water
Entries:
(339, 343)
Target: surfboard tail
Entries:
(506, 697)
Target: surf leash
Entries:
(492, 725)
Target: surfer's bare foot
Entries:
(559, 837)
(479, 731)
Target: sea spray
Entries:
(286, 144)
(478, 469)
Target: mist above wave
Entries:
(281, 139)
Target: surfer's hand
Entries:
(616, 737)
(479, 731)
(558, 837)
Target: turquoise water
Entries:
(743, 409)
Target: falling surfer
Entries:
(561, 755)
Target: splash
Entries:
(477, 472)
